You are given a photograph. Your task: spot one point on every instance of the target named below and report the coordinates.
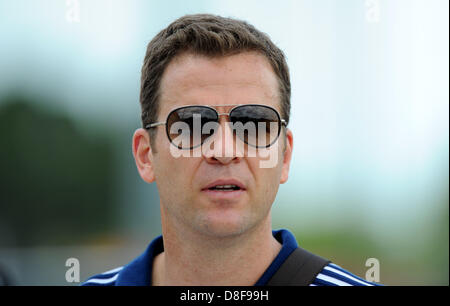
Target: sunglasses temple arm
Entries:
(152, 125)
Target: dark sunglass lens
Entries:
(256, 125)
(185, 125)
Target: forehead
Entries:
(236, 79)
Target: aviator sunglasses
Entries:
(256, 125)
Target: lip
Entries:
(219, 195)
(225, 182)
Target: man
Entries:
(208, 86)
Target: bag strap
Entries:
(299, 269)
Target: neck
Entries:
(191, 258)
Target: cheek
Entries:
(271, 182)
(267, 179)
(174, 175)
(264, 193)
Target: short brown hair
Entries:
(207, 35)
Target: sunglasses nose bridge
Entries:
(224, 148)
(223, 122)
(224, 126)
(223, 115)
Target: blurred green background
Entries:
(370, 97)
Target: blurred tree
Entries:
(55, 182)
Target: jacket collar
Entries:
(139, 271)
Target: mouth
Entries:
(225, 185)
(224, 189)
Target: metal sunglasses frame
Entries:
(212, 107)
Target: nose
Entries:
(222, 149)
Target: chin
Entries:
(223, 227)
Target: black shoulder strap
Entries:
(299, 269)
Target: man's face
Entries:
(186, 202)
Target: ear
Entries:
(287, 156)
(143, 155)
